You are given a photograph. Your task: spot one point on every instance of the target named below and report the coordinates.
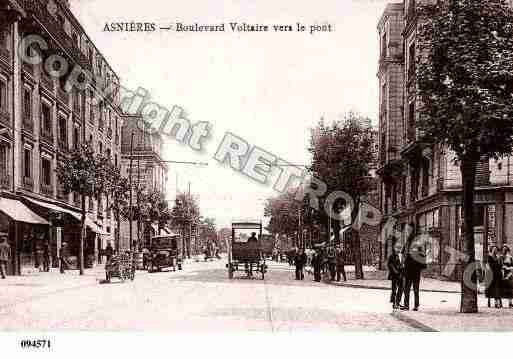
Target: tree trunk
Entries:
(82, 238)
(118, 234)
(468, 290)
(355, 241)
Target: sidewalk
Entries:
(16, 289)
(377, 280)
(447, 318)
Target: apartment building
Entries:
(41, 121)
(420, 183)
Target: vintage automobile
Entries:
(246, 255)
(164, 252)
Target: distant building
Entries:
(148, 169)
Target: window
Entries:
(27, 163)
(116, 160)
(75, 39)
(411, 60)
(27, 104)
(63, 130)
(411, 121)
(384, 45)
(76, 137)
(46, 171)
(3, 95)
(76, 101)
(46, 119)
(60, 19)
(3, 160)
(479, 215)
(100, 147)
(108, 152)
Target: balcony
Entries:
(5, 182)
(47, 136)
(63, 145)
(39, 12)
(5, 118)
(47, 190)
(28, 124)
(100, 210)
(77, 200)
(28, 183)
(61, 194)
(47, 81)
(63, 95)
(28, 68)
(5, 54)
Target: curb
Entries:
(413, 322)
(363, 286)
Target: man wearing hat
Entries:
(5, 253)
(63, 255)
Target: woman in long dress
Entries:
(507, 272)
(495, 267)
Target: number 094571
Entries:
(35, 344)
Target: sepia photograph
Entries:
(240, 168)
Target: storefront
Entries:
(27, 234)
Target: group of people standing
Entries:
(405, 265)
(330, 260)
(500, 283)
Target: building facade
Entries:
(420, 184)
(148, 171)
(41, 121)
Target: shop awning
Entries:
(89, 222)
(19, 212)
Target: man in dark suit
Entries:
(300, 262)
(414, 263)
(395, 265)
(341, 272)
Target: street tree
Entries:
(119, 193)
(86, 174)
(184, 215)
(465, 92)
(342, 156)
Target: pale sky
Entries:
(268, 88)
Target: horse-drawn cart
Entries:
(245, 252)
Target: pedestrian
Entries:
(341, 271)
(109, 252)
(38, 256)
(507, 276)
(331, 262)
(395, 266)
(414, 263)
(63, 255)
(46, 256)
(317, 264)
(495, 269)
(300, 262)
(5, 254)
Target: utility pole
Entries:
(131, 188)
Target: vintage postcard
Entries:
(243, 166)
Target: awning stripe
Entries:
(89, 222)
(19, 212)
